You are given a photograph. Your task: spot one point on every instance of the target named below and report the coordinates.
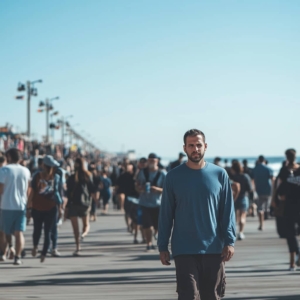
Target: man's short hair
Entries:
(290, 155)
(14, 154)
(193, 132)
(261, 158)
(2, 159)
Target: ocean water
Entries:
(274, 162)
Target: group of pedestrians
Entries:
(194, 203)
(47, 195)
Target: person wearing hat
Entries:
(149, 184)
(177, 162)
(43, 203)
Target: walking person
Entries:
(105, 191)
(263, 181)
(44, 202)
(197, 207)
(14, 182)
(80, 192)
(242, 202)
(149, 183)
(288, 192)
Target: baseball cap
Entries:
(152, 155)
(50, 161)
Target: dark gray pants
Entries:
(200, 277)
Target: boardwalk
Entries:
(111, 268)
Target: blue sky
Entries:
(138, 74)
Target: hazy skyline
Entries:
(138, 74)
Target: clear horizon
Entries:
(137, 74)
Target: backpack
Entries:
(155, 179)
(85, 198)
(46, 188)
(82, 195)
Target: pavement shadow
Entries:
(292, 297)
(86, 281)
(113, 271)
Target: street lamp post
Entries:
(48, 107)
(31, 91)
(63, 121)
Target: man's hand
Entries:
(227, 253)
(156, 189)
(165, 258)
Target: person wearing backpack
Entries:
(80, 192)
(149, 184)
(105, 191)
(43, 204)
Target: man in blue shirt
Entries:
(150, 198)
(197, 204)
(263, 179)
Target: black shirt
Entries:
(126, 185)
(245, 182)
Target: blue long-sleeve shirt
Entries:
(198, 205)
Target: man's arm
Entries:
(227, 220)
(166, 218)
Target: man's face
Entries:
(152, 163)
(142, 164)
(195, 148)
(129, 169)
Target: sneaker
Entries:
(17, 261)
(150, 248)
(135, 241)
(292, 269)
(76, 253)
(241, 236)
(260, 228)
(43, 257)
(55, 253)
(2, 258)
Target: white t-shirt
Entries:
(15, 179)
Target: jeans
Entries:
(46, 218)
(54, 234)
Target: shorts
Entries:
(78, 211)
(13, 220)
(263, 203)
(200, 276)
(242, 204)
(150, 217)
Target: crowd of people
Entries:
(47, 185)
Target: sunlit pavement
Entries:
(112, 267)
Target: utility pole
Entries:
(47, 120)
(62, 130)
(28, 108)
(31, 91)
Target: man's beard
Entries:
(196, 160)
